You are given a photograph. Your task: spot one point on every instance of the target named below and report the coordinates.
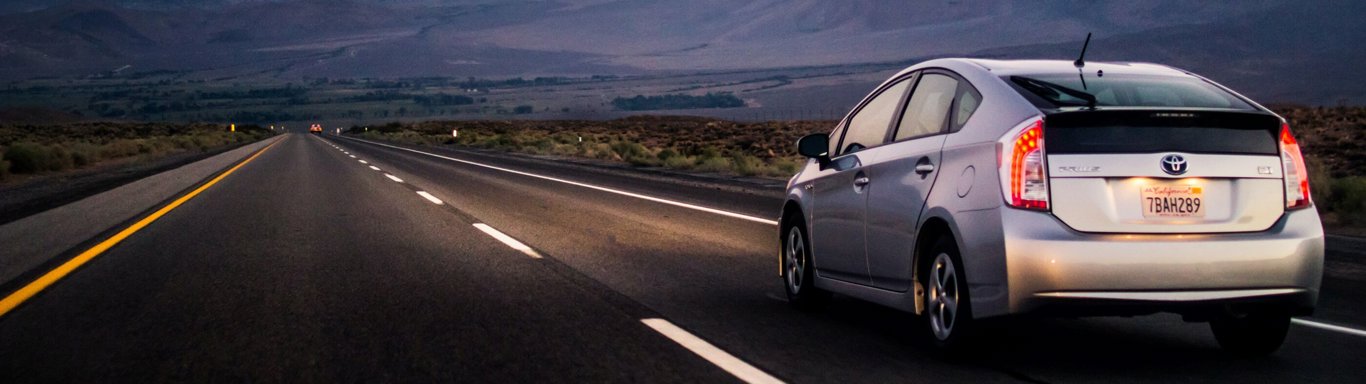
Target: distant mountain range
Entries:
(1286, 51)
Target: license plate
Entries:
(1173, 200)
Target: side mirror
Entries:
(816, 146)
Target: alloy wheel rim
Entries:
(943, 296)
(796, 260)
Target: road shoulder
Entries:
(37, 240)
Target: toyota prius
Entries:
(961, 190)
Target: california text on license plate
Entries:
(1173, 200)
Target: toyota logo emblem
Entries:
(1174, 165)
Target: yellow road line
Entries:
(28, 291)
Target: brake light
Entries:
(1024, 179)
(1296, 176)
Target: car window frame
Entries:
(952, 114)
(843, 129)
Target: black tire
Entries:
(799, 273)
(947, 319)
(1251, 334)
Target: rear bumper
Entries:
(1050, 267)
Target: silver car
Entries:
(965, 189)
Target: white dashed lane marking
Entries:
(591, 186)
(511, 242)
(429, 197)
(724, 360)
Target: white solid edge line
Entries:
(742, 370)
(394, 178)
(1329, 327)
(374, 167)
(590, 186)
(511, 242)
(429, 197)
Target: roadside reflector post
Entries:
(580, 139)
(232, 127)
(455, 133)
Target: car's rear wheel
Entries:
(1251, 333)
(948, 311)
(798, 270)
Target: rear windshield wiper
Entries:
(1050, 91)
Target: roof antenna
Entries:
(1081, 60)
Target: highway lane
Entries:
(716, 275)
(304, 266)
(313, 264)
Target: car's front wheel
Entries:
(798, 270)
(1251, 333)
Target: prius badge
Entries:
(1174, 164)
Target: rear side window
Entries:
(929, 106)
(967, 103)
(1119, 90)
(868, 127)
(1096, 132)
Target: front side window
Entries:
(868, 127)
(835, 140)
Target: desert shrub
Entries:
(666, 154)
(599, 151)
(27, 158)
(634, 153)
(1349, 200)
(746, 165)
(543, 144)
(4, 167)
(679, 162)
(119, 148)
(144, 147)
(714, 164)
(707, 151)
(202, 142)
(629, 149)
(83, 154)
(1320, 182)
(787, 166)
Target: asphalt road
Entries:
(308, 264)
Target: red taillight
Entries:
(1296, 176)
(1024, 178)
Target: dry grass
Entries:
(688, 143)
(43, 149)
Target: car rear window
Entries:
(1120, 90)
(1137, 131)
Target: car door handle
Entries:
(924, 166)
(861, 181)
